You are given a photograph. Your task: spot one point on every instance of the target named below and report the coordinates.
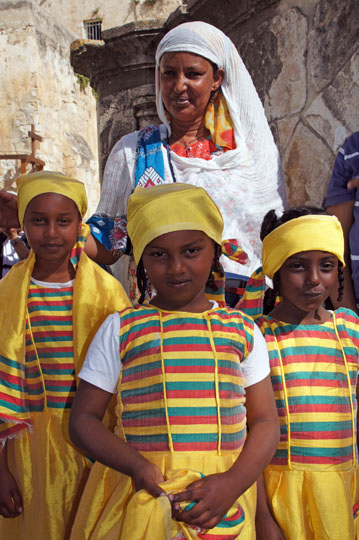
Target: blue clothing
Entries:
(346, 167)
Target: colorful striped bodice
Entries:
(49, 359)
(314, 373)
(181, 387)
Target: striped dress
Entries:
(311, 481)
(48, 468)
(181, 403)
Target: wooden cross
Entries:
(37, 164)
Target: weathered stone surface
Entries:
(125, 112)
(275, 55)
(37, 85)
(323, 121)
(226, 14)
(307, 166)
(287, 94)
(285, 127)
(125, 59)
(112, 13)
(342, 96)
(333, 39)
(263, 63)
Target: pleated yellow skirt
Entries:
(314, 504)
(111, 509)
(51, 474)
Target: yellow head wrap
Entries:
(305, 233)
(168, 208)
(34, 184)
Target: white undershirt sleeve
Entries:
(102, 365)
(256, 365)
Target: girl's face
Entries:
(52, 223)
(306, 280)
(178, 265)
(187, 81)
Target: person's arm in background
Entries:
(17, 242)
(116, 189)
(8, 210)
(340, 202)
(344, 212)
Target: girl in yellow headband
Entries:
(311, 483)
(189, 376)
(51, 305)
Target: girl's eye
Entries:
(157, 254)
(327, 266)
(192, 251)
(295, 266)
(64, 221)
(38, 220)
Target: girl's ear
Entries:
(79, 227)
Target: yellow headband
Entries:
(34, 184)
(305, 233)
(168, 208)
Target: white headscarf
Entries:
(246, 182)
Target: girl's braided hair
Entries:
(144, 284)
(271, 222)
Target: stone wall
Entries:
(111, 12)
(38, 85)
(304, 60)
(303, 56)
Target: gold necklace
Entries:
(187, 144)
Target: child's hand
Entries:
(214, 495)
(267, 528)
(10, 496)
(148, 476)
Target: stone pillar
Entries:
(121, 69)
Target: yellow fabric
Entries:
(49, 470)
(303, 507)
(306, 233)
(96, 295)
(42, 461)
(219, 123)
(110, 506)
(168, 208)
(34, 184)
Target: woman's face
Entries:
(186, 82)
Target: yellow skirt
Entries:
(314, 504)
(50, 473)
(111, 509)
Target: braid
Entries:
(216, 267)
(142, 281)
(271, 294)
(341, 281)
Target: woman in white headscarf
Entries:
(214, 134)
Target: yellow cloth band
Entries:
(34, 184)
(168, 208)
(305, 233)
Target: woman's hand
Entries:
(8, 210)
(214, 495)
(147, 477)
